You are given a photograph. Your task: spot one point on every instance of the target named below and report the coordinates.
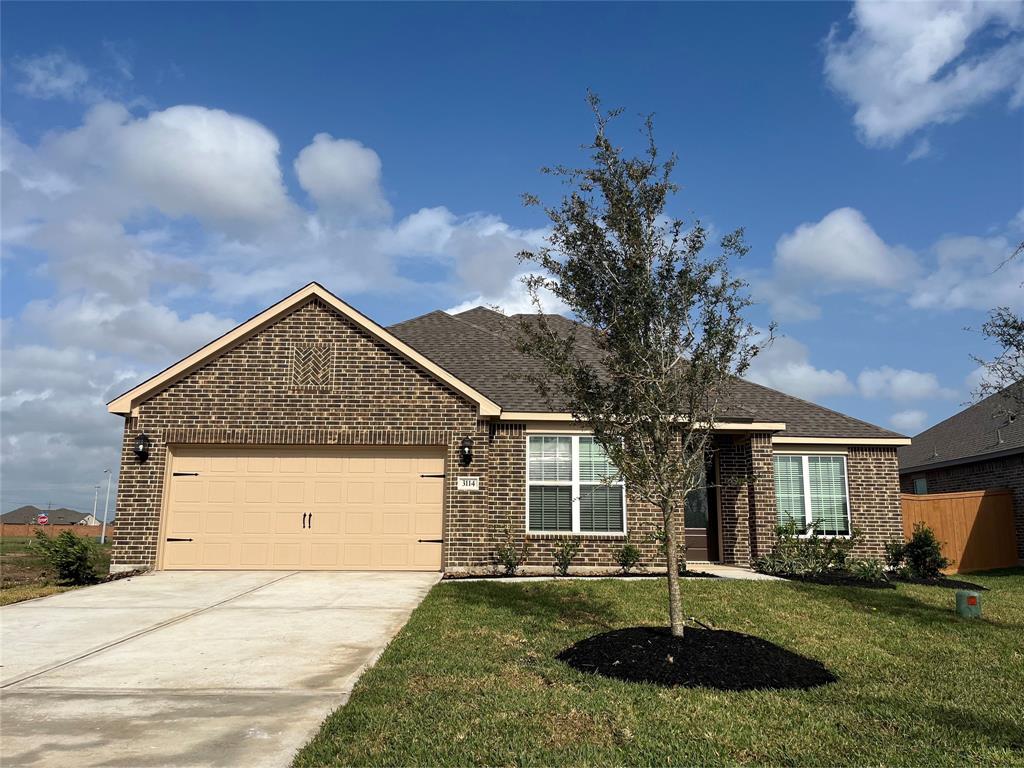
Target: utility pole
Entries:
(106, 506)
(95, 498)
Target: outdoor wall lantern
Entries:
(141, 447)
(466, 451)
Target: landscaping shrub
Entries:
(894, 553)
(509, 555)
(628, 556)
(564, 556)
(802, 552)
(866, 569)
(73, 558)
(922, 555)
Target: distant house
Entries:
(979, 448)
(28, 514)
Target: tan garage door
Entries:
(304, 509)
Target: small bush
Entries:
(564, 556)
(923, 553)
(628, 556)
(510, 556)
(866, 569)
(73, 558)
(894, 551)
(802, 552)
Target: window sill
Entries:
(611, 535)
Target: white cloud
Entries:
(840, 252)
(514, 300)
(343, 177)
(909, 422)
(51, 76)
(211, 164)
(922, 149)
(906, 65)
(901, 384)
(786, 366)
(971, 273)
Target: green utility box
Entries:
(968, 604)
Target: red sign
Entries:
(42, 519)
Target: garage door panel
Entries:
(246, 508)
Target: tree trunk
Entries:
(675, 608)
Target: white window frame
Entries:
(575, 493)
(806, 477)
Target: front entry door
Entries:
(702, 520)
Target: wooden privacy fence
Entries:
(975, 527)
(13, 529)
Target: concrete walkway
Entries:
(191, 668)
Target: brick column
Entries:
(761, 499)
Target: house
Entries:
(979, 448)
(28, 515)
(310, 437)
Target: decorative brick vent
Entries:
(312, 367)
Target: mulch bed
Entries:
(942, 581)
(122, 575)
(846, 580)
(701, 658)
(837, 580)
(686, 574)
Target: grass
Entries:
(24, 576)
(472, 680)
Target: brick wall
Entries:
(249, 395)
(286, 385)
(873, 480)
(1002, 472)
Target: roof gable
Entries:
(131, 399)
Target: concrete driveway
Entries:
(191, 668)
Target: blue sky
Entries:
(171, 169)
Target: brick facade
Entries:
(1000, 472)
(286, 385)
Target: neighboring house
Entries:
(28, 514)
(310, 437)
(979, 448)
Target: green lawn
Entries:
(23, 576)
(472, 680)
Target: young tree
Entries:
(1004, 372)
(652, 376)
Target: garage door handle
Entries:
(431, 541)
(429, 475)
(185, 474)
(303, 519)
(179, 539)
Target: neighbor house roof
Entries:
(476, 345)
(28, 514)
(985, 430)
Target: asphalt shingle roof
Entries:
(476, 346)
(27, 515)
(987, 427)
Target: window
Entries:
(920, 485)
(812, 489)
(572, 486)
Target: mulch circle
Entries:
(701, 658)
